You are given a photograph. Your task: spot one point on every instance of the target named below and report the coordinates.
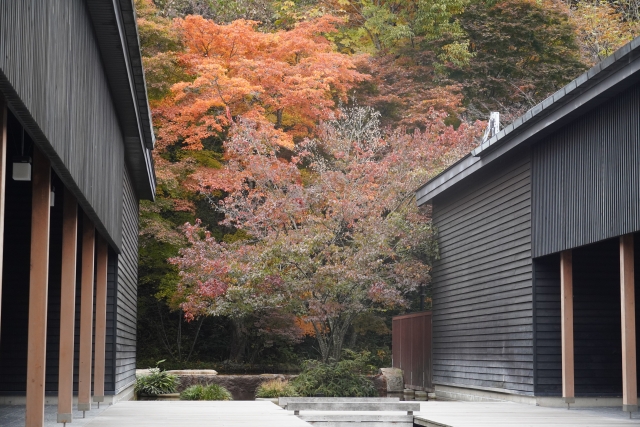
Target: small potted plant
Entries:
(157, 384)
(273, 389)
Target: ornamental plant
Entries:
(156, 382)
(345, 378)
(276, 388)
(206, 392)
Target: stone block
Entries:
(394, 379)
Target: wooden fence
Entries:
(411, 349)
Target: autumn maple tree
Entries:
(333, 233)
(289, 78)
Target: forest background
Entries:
(291, 135)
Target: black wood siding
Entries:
(482, 285)
(548, 373)
(586, 178)
(127, 291)
(51, 73)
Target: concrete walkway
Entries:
(472, 414)
(13, 415)
(196, 414)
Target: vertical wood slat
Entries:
(566, 308)
(67, 307)
(3, 162)
(628, 318)
(102, 254)
(86, 315)
(586, 174)
(38, 288)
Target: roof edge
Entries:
(575, 99)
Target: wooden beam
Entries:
(628, 318)
(566, 308)
(38, 288)
(86, 315)
(67, 306)
(3, 173)
(102, 255)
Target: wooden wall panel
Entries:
(127, 291)
(411, 336)
(586, 179)
(49, 58)
(482, 284)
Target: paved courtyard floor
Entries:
(13, 415)
(468, 414)
(266, 414)
(196, 414)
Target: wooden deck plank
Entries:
(468, 414)
(196, 414)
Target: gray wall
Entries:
(51, 73)
(482, 285)
(127, 291)
(586, 178)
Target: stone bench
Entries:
(284, 401)
(346, 412)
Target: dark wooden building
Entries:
(539, 234)
(75, 159)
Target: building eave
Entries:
(116, 31)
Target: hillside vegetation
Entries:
(291, 137)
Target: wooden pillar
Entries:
(628, 317)
(3, 172)
(102, 254)
(38, 284)
(86, 315)
(67, 307)
(566, 308)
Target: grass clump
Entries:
(156, 382)
(345, 378)
(276, 388)
(206, 392)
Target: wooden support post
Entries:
(566, 308)
(102, 255)
(86, 315)
(3, 172)
(67, 306)
(38, 287)
(628, 317)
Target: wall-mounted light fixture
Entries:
(22, 165)
(52, 197)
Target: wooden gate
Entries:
(411, 349)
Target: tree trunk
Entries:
(279, 118)
(238, 341)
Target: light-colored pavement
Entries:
(13, 415)
(196, 414)
(249, 413)
(472, 414)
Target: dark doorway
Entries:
(597, 336)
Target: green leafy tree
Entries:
(523, 50)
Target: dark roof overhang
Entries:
(116, 31)
(602, 82)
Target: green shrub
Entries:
(207, 392)
(336, 379)
(156, 382)
(276, 388)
